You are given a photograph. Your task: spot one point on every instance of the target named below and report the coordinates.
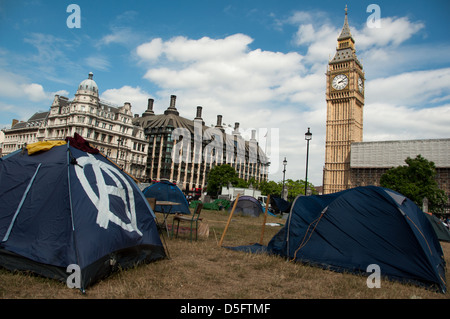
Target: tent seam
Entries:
(24, 196)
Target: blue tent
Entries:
(67, 207)
(352, 229)
(246, 206)
(167, 191)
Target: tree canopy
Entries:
(416, 181)
(221, 175)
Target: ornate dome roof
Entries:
(89, 84)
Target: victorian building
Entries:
(108, 127)
(183, 151)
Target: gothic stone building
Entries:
(350, 162)
(370, 160)
(345, 102)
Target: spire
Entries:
(345, 33)
(345, 49)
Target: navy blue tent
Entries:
(66, 207)
(167, 191)
(279, 204)
(352, 229)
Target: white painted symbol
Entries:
(102, 201)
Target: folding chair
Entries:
(192, 220)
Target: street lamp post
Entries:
(308, 137)
(284, 172)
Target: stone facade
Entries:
(183, 151)
(108, 127)
(345, 102)
(370, 160)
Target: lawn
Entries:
(203, 270)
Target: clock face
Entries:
(360, 85)
(340, 81)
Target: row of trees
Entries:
(221, 175)
(415, 180)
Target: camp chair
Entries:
(192, 220)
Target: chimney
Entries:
(219, 124)
(198, 116)
(173, 99)
(253, 135)
(219, 121)
(236, 129)
(199, 113)
(172, 109)
(149, 110)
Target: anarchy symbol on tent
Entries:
(102, 201)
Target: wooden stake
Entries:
(265, 217)
(229, 220)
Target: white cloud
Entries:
(150, 50)
(34, 92)
(392, 31)
(17, 87)
(134, 95)
(416, 89)
(119, 35)
(384, 121)
(98, 63)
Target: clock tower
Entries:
(345, 103)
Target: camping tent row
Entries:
(356, 228)
(66, 205)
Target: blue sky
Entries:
(259, 63)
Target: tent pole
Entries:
(229, 220)
(265, 218)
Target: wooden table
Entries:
(166, 210)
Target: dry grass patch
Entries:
(201, 269)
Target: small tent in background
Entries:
(441, 231)
(62, 206)
(247, 206)
(167, 191)
(355, 228)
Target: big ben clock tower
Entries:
(345, 103)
